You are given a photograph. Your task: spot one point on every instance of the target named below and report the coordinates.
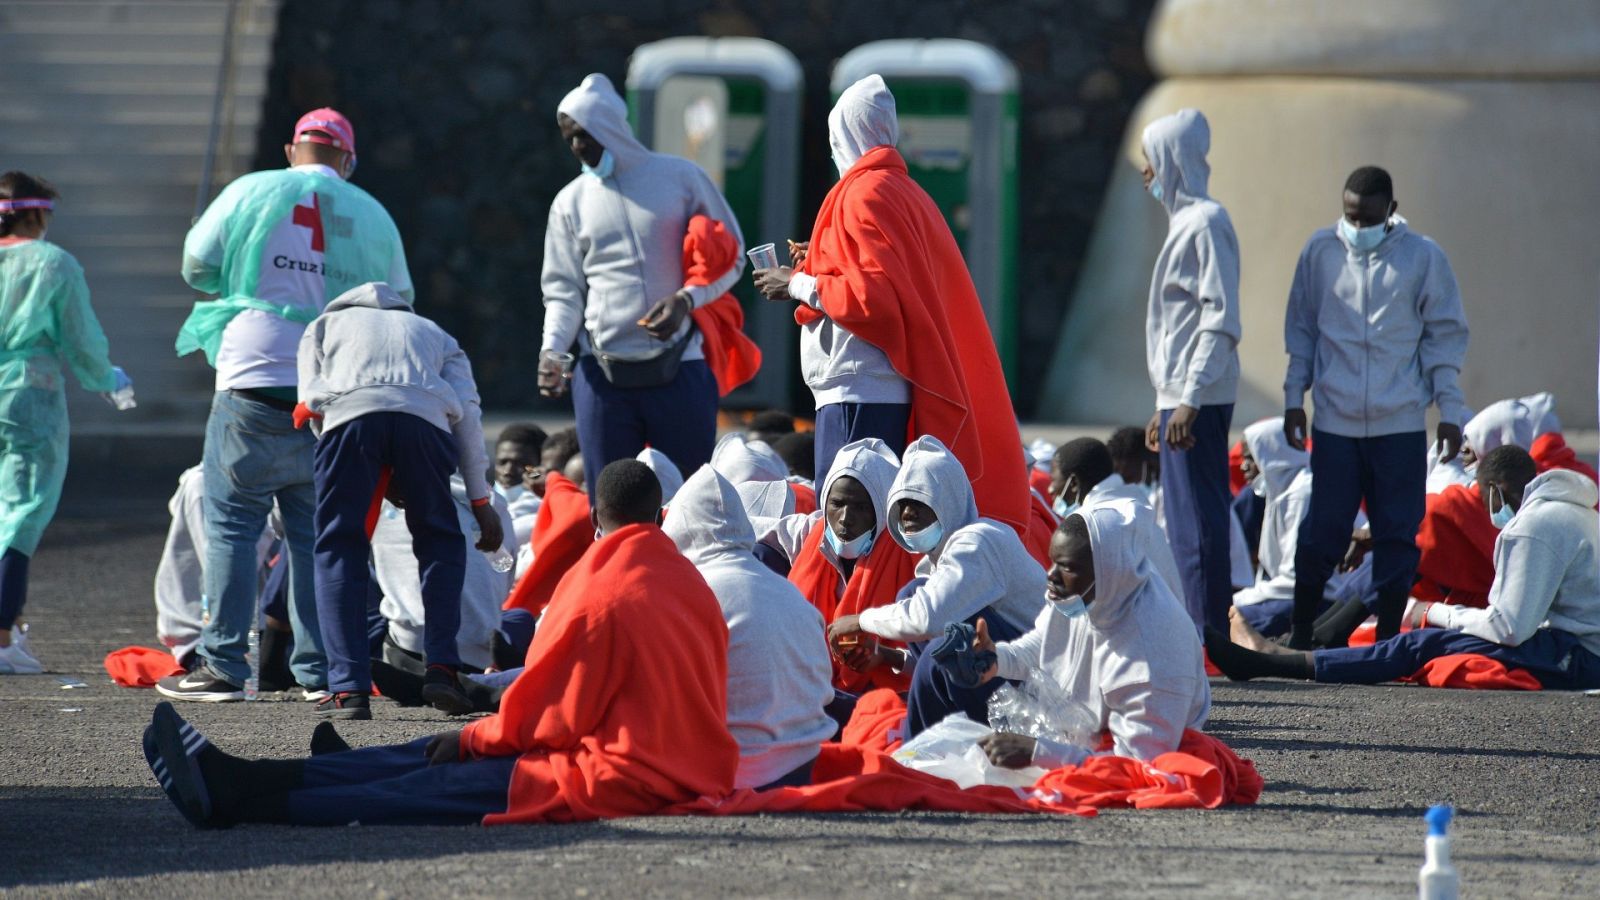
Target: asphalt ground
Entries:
(1349, 773)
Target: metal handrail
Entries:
(221, 104)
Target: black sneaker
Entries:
(345, 705)
(204, 685)
(172, 747)
(397, 684)
(441, 689)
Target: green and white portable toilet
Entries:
(958, 107)
(733, 106)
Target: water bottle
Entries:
(1438, 880)
(122, 399)
(500, 560)
(252, 655)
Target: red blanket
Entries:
(890, 272)
(622, 708)
(1550, 451)
(561, 534)
(1472, 671)
(805, 498)
(708, 252)
(874, 581)
(1457, 544)
(140, 667)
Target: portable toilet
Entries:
(958, 108)
(733, 105)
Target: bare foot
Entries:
(1243, 634)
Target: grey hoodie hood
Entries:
(707, 519)
(1517, 421)
(741, 460)
(931, 474)
(863, 118)
(373, 294)
(666, 470)
(596, 105)
(1176, 146)
(1279, 463)
(871, 463)
(1560, 486)
(765, 502)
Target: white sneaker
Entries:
(315, 695)
(16, 660)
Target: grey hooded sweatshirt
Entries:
(870, 462)
(1375, 336)
(1134, 659)
(978, 563)
(1546, 571)
(779, 672)
(613, 247)
(370, 352)
(1192, 327)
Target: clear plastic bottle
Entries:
(122, 398)
(1438, 879)
(252, 655)
(500, 560)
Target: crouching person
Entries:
(1115, 638)
(396, 407)
(584, 733)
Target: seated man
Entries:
(666, 472)
(581, 735)
(562, 531)
(972, 568)
(1282, 476)
(778, 668)
(1544, 608)
(1115, 638)
(515, 452)
(1082, 476)
(839, 560)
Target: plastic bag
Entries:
(1038, 707)
(949, 749)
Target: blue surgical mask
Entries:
(1502, 516)
(855, 548)
(1155, 189)
(925, 540)
(608, 164)
(1063, 509)
(1363, 240)
(1258, 484)
(1070, 608)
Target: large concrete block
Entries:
(1500, 173)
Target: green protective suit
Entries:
(46, 324)
(223, 251)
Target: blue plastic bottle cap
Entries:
(1438, 819)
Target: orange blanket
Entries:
(561, 533)
(622, 708)
(874, 581)
(805, 498)
(140, 667)
(709, 251)
(1550, 451)
(890, 272)
(1457, 544)
(1472, 671)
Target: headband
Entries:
(7, 206)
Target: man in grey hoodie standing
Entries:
(1376, 331)
(1191, 344)
(615, 292)
(392, 400)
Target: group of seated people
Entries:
(687, 638)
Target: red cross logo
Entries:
(311, 217)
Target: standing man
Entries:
(894, 343)
(276, 246)
(1376, 331)
(614, 284)
(1192, 347)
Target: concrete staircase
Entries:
(111, 100)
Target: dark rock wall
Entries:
(454, 107)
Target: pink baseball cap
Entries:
(326, 126)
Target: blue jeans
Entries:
(349, 462)
(678, 418)
(253, 456)
(394, 785)
(1194, 492)
(1390, 472)
(839, 424)
(1557, 658)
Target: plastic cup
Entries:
(763, 257)
(563, 361)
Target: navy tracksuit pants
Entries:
(1197, 502)
(679, 418)
(348, 464)
(394, 785)
(839, 424)
(932, 696)
(1555, 657)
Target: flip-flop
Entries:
(176, 764)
